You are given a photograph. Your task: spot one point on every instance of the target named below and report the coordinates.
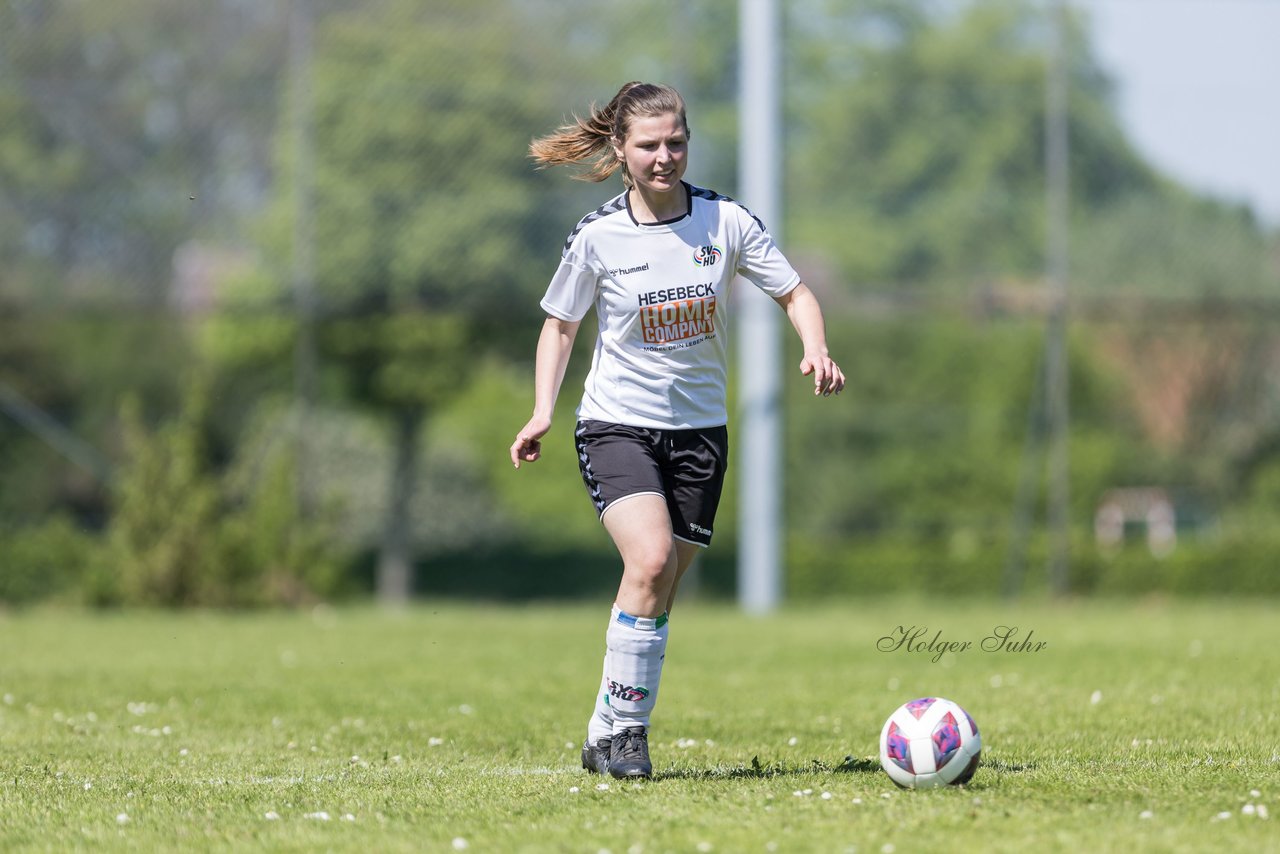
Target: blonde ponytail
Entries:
(593, 138)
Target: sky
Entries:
(1198, 90)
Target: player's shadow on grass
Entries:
(1000, 766)
(758, 770)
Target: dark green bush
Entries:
(179, 537)
(1238, 563)
(44, 561)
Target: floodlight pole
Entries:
(302, 272)
(760, 482)
(1057, 203)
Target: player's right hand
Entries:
(528, 444)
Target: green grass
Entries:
(1132, 730)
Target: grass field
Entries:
(1136, 727)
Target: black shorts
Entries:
(686, 467)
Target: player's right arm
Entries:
(554, 345)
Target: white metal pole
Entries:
(303, 257)
(1057, 155)
(759, 444)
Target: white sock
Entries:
(633, 666)
(601, 723)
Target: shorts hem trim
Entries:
(615, 502)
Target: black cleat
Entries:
(629, 757)
(595, 757)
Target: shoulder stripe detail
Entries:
(617, 203)
(713, 196)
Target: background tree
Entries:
(923, 160)
(426, 215)
(118, 119)
(122, 127)
(915, 204)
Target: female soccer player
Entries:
(657, 263)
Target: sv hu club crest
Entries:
(706, 256)
(633, 694)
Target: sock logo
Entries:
(627, 692)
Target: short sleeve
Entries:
(761, 262)
(572, 290)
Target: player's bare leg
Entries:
(685, 555)
(641, 530)
(637, 637)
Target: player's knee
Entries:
(653, 565)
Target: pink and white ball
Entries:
(930, 742)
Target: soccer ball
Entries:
(929, 742)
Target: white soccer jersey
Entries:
(661, 294)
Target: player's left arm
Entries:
(805, 315)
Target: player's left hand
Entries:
(828, 379)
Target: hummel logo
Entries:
(698, 529)
(627, 271)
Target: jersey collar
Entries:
(688, 205)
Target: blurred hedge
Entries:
(44, 562)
